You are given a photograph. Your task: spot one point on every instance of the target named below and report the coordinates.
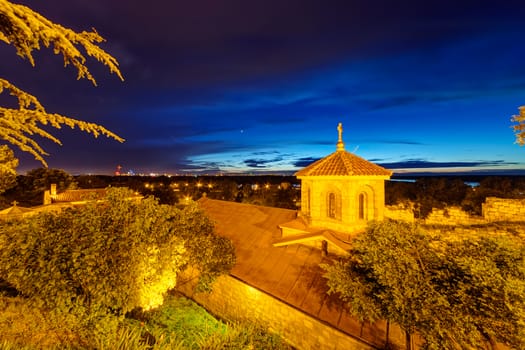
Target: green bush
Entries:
(455, 293)
(210, 254)
(89, 266)
(178, 324)
(182, 324)
(115, 255)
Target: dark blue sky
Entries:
(260, 85)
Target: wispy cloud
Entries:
(261, 163)
(303, 162)
(423, 164)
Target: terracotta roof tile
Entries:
(343, 163)
(79, 195)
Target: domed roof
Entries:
(343, 163)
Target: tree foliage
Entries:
(118, 255)
(491, 291)
(8, 164)
(388, 278)
(114, 255)
(455, 294)
(27, 31)
(210, 254)
(427, 193)
(519, 127)
(29, 190)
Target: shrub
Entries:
(456, 293)
(211, 255)
(91, 265)
(115, 255)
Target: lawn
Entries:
(178, 324)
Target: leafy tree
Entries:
(438, 193)
(30, 188)
(27, 31)
(519, 128)
(211, 255)
(42, 178)
(387, 277)
(484, 281)
(285, 198)
(163, 193)
(455, 294)
(115, 255)
(228, 190)
(493, 186)
(397, 192)
(502, 186)
(8, 164)
(428, 193)
(92, 181)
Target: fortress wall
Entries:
(232, 299)
(494, 209)
(503, 209)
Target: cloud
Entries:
(390, 102)
(389, 142)
(423, 164)
(264, 153)
(303, 162)
(261, 163)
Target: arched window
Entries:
(362, 206)
(308, 199)
(331, 205)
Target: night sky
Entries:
(259, 86)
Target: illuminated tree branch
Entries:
(27, 30)
(519, 128)
(18, 126)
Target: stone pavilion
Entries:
(340, 193)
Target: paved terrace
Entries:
(289, 273)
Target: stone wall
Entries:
(501, 209)
(399, 212)
(234, 300)
(452, 216)
(513, 229)
(494, 209)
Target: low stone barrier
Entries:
(503, 209)
(235, 300)
(493, 210)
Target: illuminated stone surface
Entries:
(341, 192)
(279, 251)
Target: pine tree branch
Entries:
(18, 126)
(519, 128)
(27, 30)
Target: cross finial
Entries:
(340, 143)
(14, 203)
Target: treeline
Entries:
(439, 192)
(267, 190)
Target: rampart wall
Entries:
(233, 299)
(493, 210)
(499, 209)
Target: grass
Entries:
(182, 324)
(178, 324)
